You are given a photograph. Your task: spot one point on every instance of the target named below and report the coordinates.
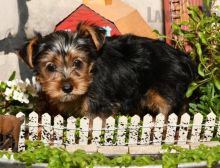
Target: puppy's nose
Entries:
(67, 87)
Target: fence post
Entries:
(58, 130)
(197, 127)
(109, 131)
(97, 126)
(133, 130)
(70, 131)
(122, 126)
(158, 129)
(33, 126)
(146, 129)
(171, 129)
(183, 130)
(46, 128)
(21, 142)
(84, 131)
(209, 126)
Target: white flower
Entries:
(11, 83)
(19, 90)
(21, 97)
(8, 93)
(21, 86)
(17, 95)
(25, 98)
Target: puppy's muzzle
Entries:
(67, 87)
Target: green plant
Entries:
(208, 101)
(201, 36)
(37, 152)
(16, 95)
(202, 153)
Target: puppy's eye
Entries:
(77, 64)
(51, 67)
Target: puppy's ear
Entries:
(29, 50)
(97, 34)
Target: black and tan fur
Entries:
(85, 73)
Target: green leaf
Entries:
(176, 29)
(201, 70)
(193, 13)
(193, 86)
(3, 86)
(217, 58)
(207, 3)
(12, 77)
(184, 23)
(199, 51)
(202, 37)
(159, 34)
(217, 82)
(189, 36)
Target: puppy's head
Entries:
(63, 60)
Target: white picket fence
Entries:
(119, 132)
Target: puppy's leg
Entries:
(154, 102)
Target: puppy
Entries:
(84, 73)
(10, 128)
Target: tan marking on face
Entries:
(52, 82)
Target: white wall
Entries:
(43, 15)
(26, 17)
(8, 18)
(151, 11)
(51, 12)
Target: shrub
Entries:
(201, 36)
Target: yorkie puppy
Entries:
(84, 73)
